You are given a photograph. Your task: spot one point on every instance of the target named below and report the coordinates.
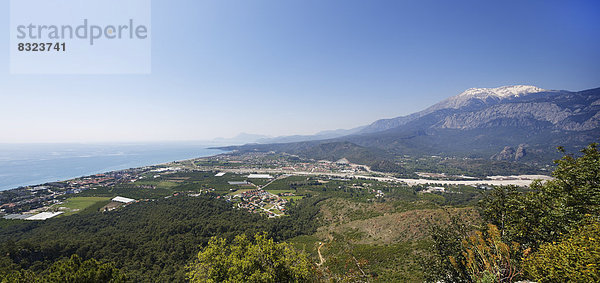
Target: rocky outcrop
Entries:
(521, 152)
(508, 153)
(512, 106)
(543, 113)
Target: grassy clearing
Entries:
(385, 263)
(78, 204)
(306, 243)
(397, 227)
(385, 240)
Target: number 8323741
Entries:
(40, 47)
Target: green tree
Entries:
(70, 270)
(18, 276)
(499, 205)
(576, 188)
(575, 258)
(550, 209)
(445, 252)
(76, 270)
(540, 216)
(246, 260)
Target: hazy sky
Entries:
(298, 67)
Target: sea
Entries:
(33, 164)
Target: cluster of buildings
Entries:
(29, 200)
(260, 201)
(434, 189)
(277, 162)
(34, 199)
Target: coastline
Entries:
(26, 171)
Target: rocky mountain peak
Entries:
(500, 92)
(478, 97)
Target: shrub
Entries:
(244, 260)
(576, 257)
(488, 259)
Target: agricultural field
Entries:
(295, 198)
(78, 204)
(354, 228)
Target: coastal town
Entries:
(255, 182)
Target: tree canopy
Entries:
(547, 233)
(550, 209)
(249, 260)
(73, 269)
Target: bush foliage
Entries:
(246, 260)
(528, 224)
(577, 257)
(73, 269)
(488, 258)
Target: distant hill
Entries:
(518, 123)
(318, 136)
(482, 122)
(481, 105)
(331, 150)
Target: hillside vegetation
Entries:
(338, 230)
(546, 234)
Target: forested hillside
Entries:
(478, 123)
(548, 233)
(334, 230)
(147, 241)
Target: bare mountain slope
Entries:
(479, 122)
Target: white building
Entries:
(260, 176)
(123, 200)
(44, 215)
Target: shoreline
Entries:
(518, 180)
(108, 169)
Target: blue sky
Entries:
(298, 67)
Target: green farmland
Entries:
(78, 204)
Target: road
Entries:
(321, 259)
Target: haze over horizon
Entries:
(220, 68)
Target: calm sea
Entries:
(32, 164)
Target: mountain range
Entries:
(517, 123)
